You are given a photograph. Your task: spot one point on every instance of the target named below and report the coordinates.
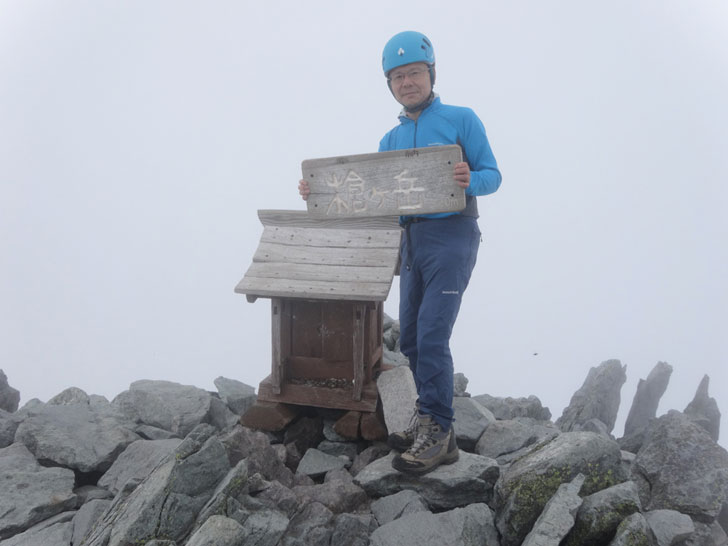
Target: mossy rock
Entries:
(528, 484)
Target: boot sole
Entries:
(400, 465)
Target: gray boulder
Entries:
(218, 531)
(316, 463)
(167, 502)
(598, 397)
(558, 515)
(220, 415)
(72, 395)
(148, 432)
(469, 480)
(228, 496)
(647, 398)
(394, 358)
(9, 397)
(352, 529)
(244, 443)
(166, 405)
(469, 526)
(634, 531)
(601, 513)
(669, 526)
(597, 427)
(31, 493)
(136, 462)
(312, 526)
(55, 531)
(506, 441)
(368, 456)
(339, 496)
(395, 506)
(8, 425)
(705, 535)
(398, 395)
(471, 420)
(330, 434)
(680, 467)
(280, 498)
(237, 395)
(263, 528)
(512, 408)
(86, 518)
(723, 516)
(76, 435)
(348, 450)
(526, 485)
(87, 493)
(460, 385)
(704, 411)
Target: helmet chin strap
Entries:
(421, 106)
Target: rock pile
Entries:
(169, 465)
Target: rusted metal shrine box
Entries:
(327, 280)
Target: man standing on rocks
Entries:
(438, 251)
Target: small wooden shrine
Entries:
(327, 280)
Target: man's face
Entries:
(411, 83)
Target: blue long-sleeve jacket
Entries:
(441, 124)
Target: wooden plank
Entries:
(319, 368)
(400, 182)
(301, 218)
(369, 257)
(277, 336)
(358, 317)
(320, 397)
(305, 328)
(288, 288)
(324, 237)
(310, 272)
(336, 336)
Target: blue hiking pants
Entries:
(438, 256)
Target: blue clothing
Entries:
(441, 124)
(438, 253)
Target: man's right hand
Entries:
(303, 189)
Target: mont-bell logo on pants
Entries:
(453, 292)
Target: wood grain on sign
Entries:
(396, 183)
(300, 256)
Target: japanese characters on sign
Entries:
(416, 181)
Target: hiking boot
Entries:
(432, 447)
(402, 441)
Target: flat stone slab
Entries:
(468, 480)
(398, 394)
(469, 526)
(317, 463)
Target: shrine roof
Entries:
(299, 256)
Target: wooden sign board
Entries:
(396, 183)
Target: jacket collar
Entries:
(435, 102)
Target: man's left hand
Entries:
(462, 174)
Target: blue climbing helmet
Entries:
(408, 47)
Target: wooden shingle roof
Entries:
(330, 259)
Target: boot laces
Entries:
(413, 423)
(425, 438)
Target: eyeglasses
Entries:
(414, 74)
